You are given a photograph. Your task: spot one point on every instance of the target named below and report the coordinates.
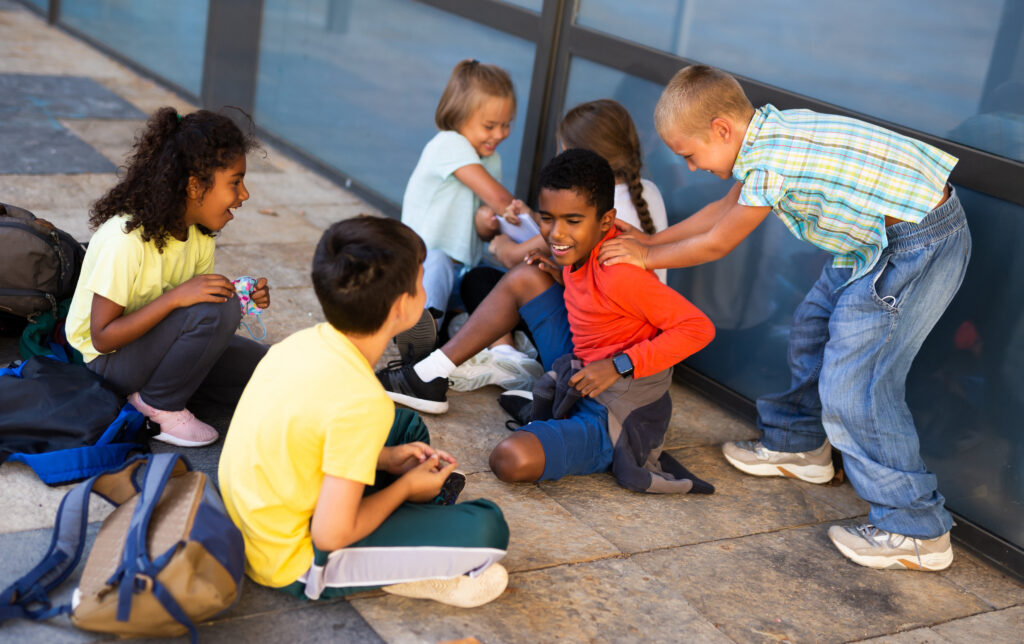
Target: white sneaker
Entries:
(464, 591)
(509, 369)
(875, 548)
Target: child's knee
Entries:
(517, 458)
(526, 282)
(224, 316)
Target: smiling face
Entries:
(571, 225)
(212, 209)
(716, 153)
(489, 125)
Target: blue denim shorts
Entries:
(575, 445)
(548, 321)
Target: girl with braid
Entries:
(605, 127)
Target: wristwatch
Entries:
(623, 364)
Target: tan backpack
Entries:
(168, 556)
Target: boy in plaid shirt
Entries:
(879, 202)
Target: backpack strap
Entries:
(137, 572)
(28, 597)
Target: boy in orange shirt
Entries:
(610, 391)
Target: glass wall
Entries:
(356, 83)
(167, 38)
(966, 389)
(934, 65)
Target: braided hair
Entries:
(605, 127)
(171, 149)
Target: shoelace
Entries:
(874, 535)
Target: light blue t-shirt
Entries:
(438, 206)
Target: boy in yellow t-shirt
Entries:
(333, 491)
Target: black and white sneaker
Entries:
(519, 405)
(416, 343)
(406, 388)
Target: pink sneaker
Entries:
(179, 428)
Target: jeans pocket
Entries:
(881, 288)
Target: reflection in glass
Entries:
(966, 388)
(168, 38)
(355, 82)
(945, 67)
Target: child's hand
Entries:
(515, 208)
(593, 379)
(623, 250)
(401, 458)
(261, 294)
(499, 244)
(486, 223)
(546, 264)
(203, 288)
(424, 481)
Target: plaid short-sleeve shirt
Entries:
(832, 180)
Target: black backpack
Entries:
(39, 263)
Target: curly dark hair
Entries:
(584, 172)
(171, 149)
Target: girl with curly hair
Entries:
(149, 315)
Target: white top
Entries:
(438, 206)
(626, 211)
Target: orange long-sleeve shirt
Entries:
(623, 308)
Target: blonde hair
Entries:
(695, 96)
(605, 127)
(470, 84)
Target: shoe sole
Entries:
(490, 584)
(419, 404)
(181, 442)
(929, 563)
(817, 474)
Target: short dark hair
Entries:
(584, 172)
(361, 266)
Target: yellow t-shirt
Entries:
(312, 407)
(131, 273)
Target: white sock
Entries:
(436, 365)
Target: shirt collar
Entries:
(761, 114)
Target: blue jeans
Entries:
(850, 349)
(441, 278)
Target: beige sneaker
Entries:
(754, 458)
(179, 428)
(464, 591)
(875, 548)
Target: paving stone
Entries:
(542, 533)
(472, 427)
(335, 621)
(46, 192)
(793, 585)
(740, 506)
(291, 310)
(257, 220)
(323, 215)
(604, 601)
(284, 265)
(997, 627)
(294, 189)
(698, 421)
(29, 503)
(916, 636)
(982, 580)
(110, 137)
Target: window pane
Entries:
(168, 38)
(356, 83)
(950, 68)
(966, 388)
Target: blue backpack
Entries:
(64, 422)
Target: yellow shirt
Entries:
(131, 273)
(312, 407)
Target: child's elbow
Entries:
(705, 332)
(330, 542)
